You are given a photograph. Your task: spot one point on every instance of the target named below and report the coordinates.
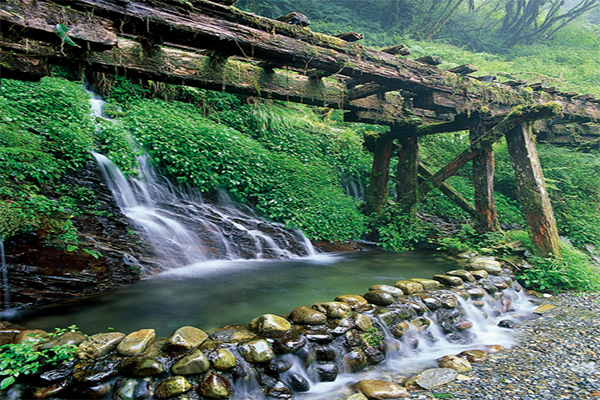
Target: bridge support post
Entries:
(377, 192)
(531, 191)
(483, 183)
(407, 178)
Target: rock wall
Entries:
(278, 357)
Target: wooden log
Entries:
(483, 183)
(350, 36)
(364, 91)
(430, 60)
(407, 178)
(295, 18)
(450, 192)
(400, 49)
(376, 195)
(531, 191)
(464, 69)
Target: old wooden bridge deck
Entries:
(210, 45)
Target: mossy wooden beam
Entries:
(450, 192)
(483, 183)
(531, 191)
(407, 171)
(185, 68)
(376, 195)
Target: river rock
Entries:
(269, 324)
(333, 309)
(474, 356)
(327, 372)
(362, 322)
(30, 335)
(99, 345)
(215, 387)
(7, 335)
(67, 338)
(380, 390)
(456, 363)
(435, 377)
(100, 391)
(186, 338)
(480, 274)
(430, 301)
(307, 316)
(466, 276)
(298, 383)
(354, 361)
(448, 280)
(448, 300)
(495, 348)
(289, 344)
(136, 342)
(508, 324)
(488, 264)
(356, 396)
(257, 351)
(394, 291)
(172, 386)
(428, 284)
(409, 287)
(223, 360)
(194, 363)
(379, 297)
(476, 293)
(279, 390)
(229, 334)
(50, 391)
(356, 302)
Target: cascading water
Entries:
(183, 229)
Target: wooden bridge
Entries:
(215, 46)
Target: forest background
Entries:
(304, 166)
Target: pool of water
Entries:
(212, 294)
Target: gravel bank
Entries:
(558, 357)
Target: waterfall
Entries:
(183, 229)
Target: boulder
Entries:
(194, 363)
(434, 377)
(136, 342)
(67, 338)
(356, 302)
(307, 316)
(31, 335)
(257, 351)
(448, 280)
(394, 291)
(428, 284)
(488, 264)
(379, 297)
(186, 338)
(215, 387)
(380, 390)
(474, 356)
(223, 360)
(480, 274)
(333, 309)
(269, 324)
(172, 386)
(466, 276)
(456, 363)
(99, 345)
(362, 322)
(409, 287)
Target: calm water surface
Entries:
(212, 294)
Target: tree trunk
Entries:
(407, 179)
(378, 190)
(483, 183)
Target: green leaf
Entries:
(62, 33)
(6, 382)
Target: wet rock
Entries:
(92, 372)
(356, 302)
(60, 372)
(354, 361)
(223, 360)
(194, 363)
(279, 391)
(67, 338)
(448, 280)
(356, 396)
(362, 322)
(508, 324)
(379, 297)
(544, 309)
(501, 285)
(428, 284)
(229, 334)
(215, 387)
(409, 287)
(136, 342)
(456, 363)
(269, 324)
(125, 390)
(464, 325)
(488, 264)
(289, 344)
(172, 386)
(325, 353)
(307, 316)
(474, 356)
(257, 351)
(461, 293)
(7, 335)
(319, 336)
(186, 338)
(478, 303)
(488, 287)
(147, 366)
(398, 330)
(448, 300)
(92, 392)
(466, 276)
(333, 309)
(327, 372)
(31, 335)
(495, 348)
(338, 327)
(99, 345)
(394, 291)
(298, 383)
(420, 324)
(278, 367)
(50, 391)
(379, 390)
(435, 377)
(480, 274)
(430, 301)
(405, 310)
(476, 293)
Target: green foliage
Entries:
(372, 337)
(469, 240)
(400, 232)
(26, 358)
(574, 271)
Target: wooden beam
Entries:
(531, 191)
(450, 192)
(376, 195)
(483, 183)
(407, 178)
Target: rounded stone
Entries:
(480, 274)
(495, 348)
(362, 322)
(215, 387)
(476, 293)
(379, 297)
(99, 345)
(354, 361)
(67, 338)
(223, 360)
(307, 316)
(30, 335)
(456, 363)
(269, 324)
(488, 264)
(194, 363)
(333, 309)
(356, 302)
(428, 284)
(394, 291)
(474, 356)
(420, 324)
(257, 351)
(448, 280)
(186, 338)
(409, 287)
(380, 390)
(136, 342)
(435, 377)
(466, 276)
(172, 386)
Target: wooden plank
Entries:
(407, 178)
(376, 195)
(531, 191)
(483, 183)
(450, 192)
